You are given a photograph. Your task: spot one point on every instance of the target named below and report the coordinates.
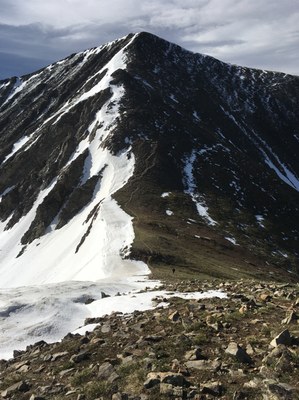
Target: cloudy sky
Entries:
(254, 33)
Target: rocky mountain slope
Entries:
(139, 153)
(201, 154)
(243, 347)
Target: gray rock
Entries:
(113, 377)
(274, 354)
(21, 364)
(21, 386)
(283, 337)
(66, 372)
(195, 354)
(173, 379)
(253, 384)
(70, 393)
(153, 379)
(174, 316)
(291, 316)
(48, 357)
(217, 326)
(237, 351)
(57, 356)
(170, 390)
(203, 365)
(24, 369)
(213, 388)
(105, 370)
(106, 328)
(279, 391)
(82, 356)
(36, 397)
(249, 349)
(120, 396)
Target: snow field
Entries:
(131, 302)
(40, 289)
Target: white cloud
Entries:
(262, 34)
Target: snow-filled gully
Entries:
(52, 257)
(191, 188)
(39, 290)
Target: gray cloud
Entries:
(257, 34)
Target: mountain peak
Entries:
(131, 121)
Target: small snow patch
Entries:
(280, 253)
(232, 240)
(287, 176)
(260, 220)
(17, 146)
(192, 190)
(173, 98)
(6, 191)
(196, 116)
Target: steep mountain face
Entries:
(201, 154)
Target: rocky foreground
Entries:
(242, 347)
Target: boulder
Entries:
(237, 351)
(283, 337)
(57, 356)
(106, 328)
(173, 379)
(21, 386)
(213, 388)
(204, 365)
(153, 379)
(107, 372)
(291, 316)
(82, 356)
(174, 316)
(19, 365)
(195, 354)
